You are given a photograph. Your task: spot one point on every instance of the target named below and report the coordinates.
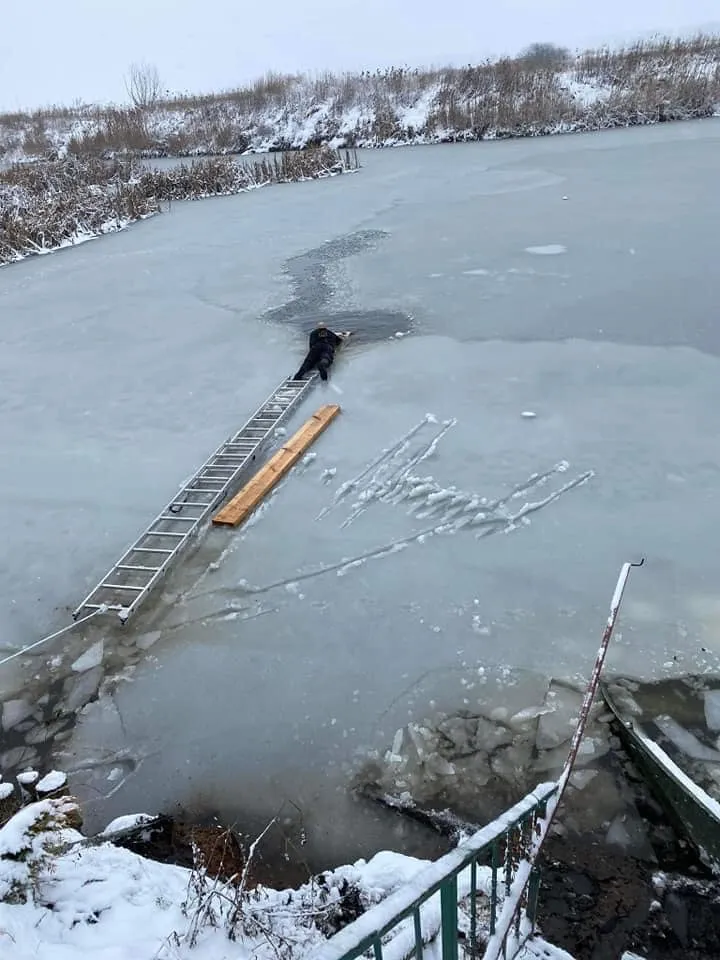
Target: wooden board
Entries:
(252, 494)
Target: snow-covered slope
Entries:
(649, 82)
(62, 898)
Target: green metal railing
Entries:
(478, 873)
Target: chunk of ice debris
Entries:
(528, 414)
(712, 710)
(51, 782)
(92, 657)
(78, 691)
(6, 790)
(528, 713)
(328, 474)
(280, 431)
(581, 778)
(686, 741)
(14, 712)
(308, 458)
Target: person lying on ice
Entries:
(321, 351)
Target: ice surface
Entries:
(170, 299)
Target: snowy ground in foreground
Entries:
(111, 904)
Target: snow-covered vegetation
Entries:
(56, 203)
(546, 90)
(65, 895)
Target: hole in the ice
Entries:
(315, 288)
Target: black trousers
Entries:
(317, 357)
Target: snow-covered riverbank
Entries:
(63, 895)
(53, 204)
(546, 91)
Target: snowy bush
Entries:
(30, 841)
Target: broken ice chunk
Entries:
(92, 657)
(14, 712)
(712, 710)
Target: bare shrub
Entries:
(545, 56)
(116, 131)
(143, 85)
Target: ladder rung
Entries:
(148, 550)
(176, 519)
(136, 566)
(97, 606)
(163, 533)
(224, 470)
(189, 503)
(122, 586)
(214, 480)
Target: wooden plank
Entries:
(252, 494)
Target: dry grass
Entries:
(527, 95)
(47, 204)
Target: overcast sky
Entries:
(59, 51)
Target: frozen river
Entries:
(573, 277)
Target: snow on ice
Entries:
(53, 781)
(548, 250)
(126, 823)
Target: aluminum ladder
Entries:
(128, 583)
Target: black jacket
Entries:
(323, 338)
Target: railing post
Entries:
(533, 895)
(473, 908)
(493, 887)
(448, 919)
